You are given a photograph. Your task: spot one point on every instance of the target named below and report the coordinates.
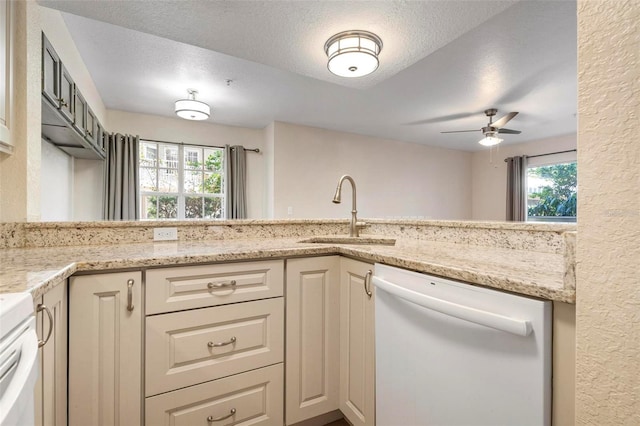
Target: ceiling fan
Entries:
(493, 129)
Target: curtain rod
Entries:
(195, 144)
(544, 155)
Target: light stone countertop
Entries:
(38, 269)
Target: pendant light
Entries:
(353, 53)
(191, 109)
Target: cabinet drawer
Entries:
(256, 398)
(188, 287)
(186, 348)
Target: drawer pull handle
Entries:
(231, 283)
(218, 345)
(130, 295)
(210, 419)
(367, 283)
(41, 307)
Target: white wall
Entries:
(393, 179)
(88, 182)
(56, 184)
(489, 173)
(201, 133)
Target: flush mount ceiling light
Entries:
(490, 139)
(191, 109)
(353, 53)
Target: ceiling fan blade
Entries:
(504, 120)
(442, 118)
(508, 132)
(461, 131)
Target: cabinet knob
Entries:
(211, 419)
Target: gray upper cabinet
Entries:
(50, 73)
(66, 94)
(67, 119)
(91, 126)
(80, 112)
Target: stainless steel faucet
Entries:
(355, 226)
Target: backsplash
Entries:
(545, 238)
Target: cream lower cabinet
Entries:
(357, 345)
(251, 398)
(105, 349)
(51, 389)
(215, 344)
(313, 327)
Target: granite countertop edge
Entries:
(167, 254)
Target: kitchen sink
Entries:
(340, 239)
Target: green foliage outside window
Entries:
(559, 198)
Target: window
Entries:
(552, 189)
(191, 188)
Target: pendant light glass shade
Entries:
(490, 140)
(353, 53)
(191, 109)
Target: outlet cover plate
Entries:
(165, 234)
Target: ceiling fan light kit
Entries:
(192, 109)
(353, 53)
(490, 140)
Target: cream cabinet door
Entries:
(105, 349)
(54, 358)
(357, 345)
(313, 327)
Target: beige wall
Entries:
(268, 155)
(489, 173)
(608, 244)
(394, 179)
(20, 172)
(202, 133)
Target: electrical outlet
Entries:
(165, 234)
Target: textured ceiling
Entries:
(522, 59)
(290, 35)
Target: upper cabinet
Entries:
(67, 119)
(6, 76)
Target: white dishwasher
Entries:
(18, 359)
(453, 354)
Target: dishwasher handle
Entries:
(467, 313)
